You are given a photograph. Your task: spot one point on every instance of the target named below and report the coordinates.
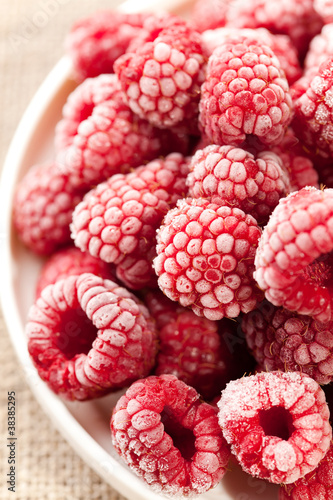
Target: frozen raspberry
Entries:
(281, 45)
(88, 336)
(287, 341)
(325, 10)
(296, 162)
(294, 256)
(320, 49)
(70, 261)
(136, 271)
(231, 176)
(43, 206)
(162, 78)
(80, 104)
(245, 93)
(169, 437)
(95, 42)
(205, 256)
(295, 18)
(209, 14)
(120, 216)
(276, 423)
(316, 485)
(113, 139)
(312, 123)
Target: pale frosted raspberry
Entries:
(136, 271)
(320, 49)
(245, 93)
(287, 341)
(209, 14)
(162, 78)
(231, 176)
(325, 10)
(276, 423)
(169, 437)
(88, 336)
(120, 216)
(205, 255)
(294, 256)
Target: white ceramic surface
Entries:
(84, 424)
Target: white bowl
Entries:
(84, 424)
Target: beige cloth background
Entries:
(31, 38)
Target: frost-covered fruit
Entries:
(136, 271)
(205, 256)
(231, 176)
(245, 94)
(209, 14)
(325, 10)
(276, 423)
(169, 437)
(88, 337)
(287, 341)
(294, 256)
(320, 49)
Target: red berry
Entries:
(294, 261)
(324, 9)
(320, 49)
(169, 437)
(209, 14)
(136, 271)
(205, 255)
(88, 336)
(276, 423)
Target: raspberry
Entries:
(136, 271)
(95, 42)
(231, 176)
(80, 104)
(324, 9)
(312, 123)
(205, 256)
(245, 93)
(276, 423)
(283, 340)
(43, 206)
(295, 18)
(111, 140)
(281, 45)
(317, 485)
(320, 49)
(88, 336)
(70, 261)
(169, 437)
(209, 14)
(120, 216)
(162, 78)
(294, 258)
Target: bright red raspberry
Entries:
(295, 18)
(43, 206)
(205, 256)
(245, 93)
(88, 336)
(95, 42)
(136, 271)
(209, 14)
(312, 123)
(281, 45)
(320, 49)
(276, 423)
(294, 256)
(231, 176)
(162, 78)
(120, 216)
(169, 437)
(324, 9)
(287, 341)
(316, 485)
(80, 104)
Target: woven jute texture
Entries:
(31, 42)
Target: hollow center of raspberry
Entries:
(76, 333)
(319, 272)
(277, 421)
(182, 438)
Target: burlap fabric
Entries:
(31, 38)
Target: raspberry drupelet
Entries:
(245, 94)
(136, 270)
(120, 216)
(287, 341)
(231, 176)
(276, 423)
(169, 437)
(162, 77)
(294, 256)
(325, 10)
(88, 337)
(42, 208)
(95, 42)
(205, 257)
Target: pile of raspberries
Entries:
(187, 217)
